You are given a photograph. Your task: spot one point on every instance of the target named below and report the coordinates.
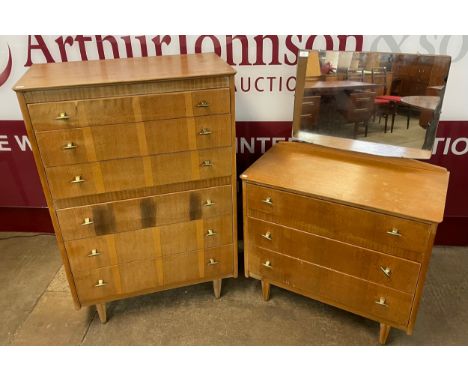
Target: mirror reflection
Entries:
(388, 98)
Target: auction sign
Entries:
(265, 84)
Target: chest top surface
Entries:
(398, 186)
(118, 71)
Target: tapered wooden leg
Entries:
(101, 309)
(266, 290)
(217, 287)
(384, 330)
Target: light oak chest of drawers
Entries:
(348, 229)
(137, 162)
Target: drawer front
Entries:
(366, 264)
(107, 111)
(384, 233)
(209, 264)
(96, 143)
(134, 214)
(134, 173)
(359, 296)
(153, 274)
(124, 247)
(110, 282)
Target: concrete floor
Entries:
(36, 309)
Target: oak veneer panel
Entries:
(332, 287)
(341, 257)
(148, 243)
(105, 111)
(126, 89)
(134, 214)
(139, 172)
(98, 143)
(197, 265)
(333, 174)
(141, 192)
(130, 70)
(340, 222)
(154, 274)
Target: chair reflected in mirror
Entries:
(355, 75)
(359, 109)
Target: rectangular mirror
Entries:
(380, 103)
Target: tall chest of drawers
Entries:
(348, 229)
(137, 162)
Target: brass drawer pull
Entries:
(381, 302)
(203, 104)
(208, 203)
(387, 271)
(267, 264)
(205, 131)
(210, 233)
(267, 235)
(70, 146)
(93, 253)
(62, 116)
(87, 221)
(268, 201)
(100, 283)
(394, 232)
(212, 262)
(207, 163)
(78, 179)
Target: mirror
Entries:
(381, 103)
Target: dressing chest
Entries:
(137, 162)
(349, 229)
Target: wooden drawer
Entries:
(106, 111)
(124, 247)
(96, 143)
(153, 274)
(347, 224)
(366, 264)
(134, 173)
(351, 293)
(134, 214)
(209, 264)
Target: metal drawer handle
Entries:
(203, 104)
(381, 302)
(387, 271)
(268, 201)
(212, 262)
(267, 264)
(70, 146)
(205, 131)
(62, 116)
(93, 253)
(78, 179)
(267, 235)
(100, 283)
(207, 163)
(87, 221)
(208, 203)
(394, 232)
(210, 233)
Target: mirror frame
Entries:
(381, 149)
